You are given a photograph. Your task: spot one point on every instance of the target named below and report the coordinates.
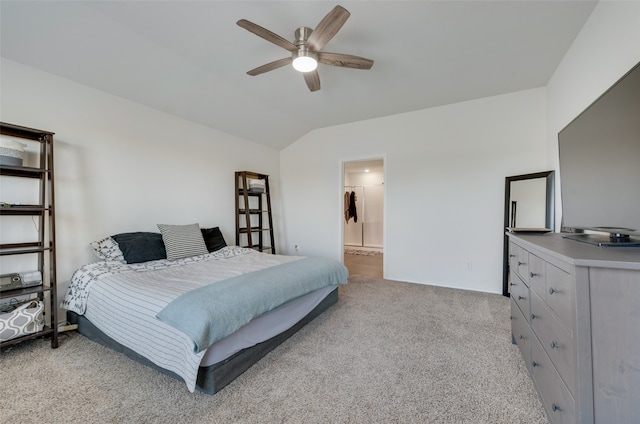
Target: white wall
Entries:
(607, 47)
(445, 172)
(123, 167)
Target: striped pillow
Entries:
(181, 241)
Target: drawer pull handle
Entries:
(521, 298)
(554, 345)
(533, 274)
(522, 337)
(533, 316)
(521, 263)
(552, 290)
(555, 408)
(534, 364)
(512, 284)
(512, 256)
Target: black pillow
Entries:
(213, 238)
(141, 246)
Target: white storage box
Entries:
(11, 152)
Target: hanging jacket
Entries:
(346, 206)
(352, 207)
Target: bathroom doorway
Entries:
(363, 223)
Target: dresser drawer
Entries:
(555, 396)
(520, 333)
(513, 257)
(561, 295)
(522, 264)
(537, 275)
(520, 294)
(556, 340)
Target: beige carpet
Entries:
(387, 352)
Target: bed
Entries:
(202, 318)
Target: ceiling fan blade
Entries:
(267, 35)
(313, 80)
(344, 60)
(270, 66)
(327, 28)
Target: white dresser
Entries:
(575, 314)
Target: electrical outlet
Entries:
(296, 247)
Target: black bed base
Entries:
(213, 378)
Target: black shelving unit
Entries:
(42, 212)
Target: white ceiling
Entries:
(189, 58)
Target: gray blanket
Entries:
(214, 311)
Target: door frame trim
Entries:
(341, 179)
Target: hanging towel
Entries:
(255, 185)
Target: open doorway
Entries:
(363, 223)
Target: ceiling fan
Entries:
(306, 48)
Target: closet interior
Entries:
(364, 205)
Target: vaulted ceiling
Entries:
(189, 58)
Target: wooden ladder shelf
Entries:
(252, 196)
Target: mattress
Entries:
(123, 300)
(212, 378)
(264, 327)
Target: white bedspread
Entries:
(123, 300)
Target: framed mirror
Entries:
(528, 205)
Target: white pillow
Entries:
(181, 241)
(107, 249)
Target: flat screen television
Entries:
(600, 167)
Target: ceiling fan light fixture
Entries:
(306, 48)
(304, 60)
(305, 64)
